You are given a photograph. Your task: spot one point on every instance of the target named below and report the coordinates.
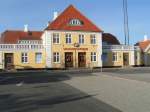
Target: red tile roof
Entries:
(62, 21)
(143, 44)
(110, 39)
(12, 37)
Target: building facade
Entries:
(22, 50)
(116, 55)
(143, 53)
(70, 41)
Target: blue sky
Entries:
(107, 14)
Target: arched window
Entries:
(75, 22)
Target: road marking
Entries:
(20, 84)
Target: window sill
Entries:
(93, 61)
(56, 43)
(25, 62)
(56, 62)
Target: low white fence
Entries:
(120, 47)
(14, 47)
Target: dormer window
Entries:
(75, 22)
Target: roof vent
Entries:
(26, 28)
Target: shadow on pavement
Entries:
(13, 103)
(42, 94)
(32, 78)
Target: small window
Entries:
(68, 39)
(93, 39)
(24, 58)
(115, 57)
(76, 22)
(56, 38)
(81, 39)
(56, 57)
(93, 57)
(38, 57)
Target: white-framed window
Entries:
(93, 39)
(68, 39)
(75, 22)
(93, 57)
(38, 57)
(56, 38)
(24, 57)
(115, 56)
(56, 57)
(81, 39)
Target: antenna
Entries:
(126, 22)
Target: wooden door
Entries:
(9, 61)
(82, 59)
(126, 59)
(68, 59)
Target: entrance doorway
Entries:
(82, 59)
(68, 59)
(9, 61)
(126, 59)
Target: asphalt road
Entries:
(46, 92)
(138, 73)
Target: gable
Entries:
(70, 15)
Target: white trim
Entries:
(53, 38)
(92, 57)
(36, 57)
(68, 37)
(132, 58)
(99, 49)
(23, 56)
(116, 56)
(82, 37)
(47, 42)
(57, 61)
(66, 31)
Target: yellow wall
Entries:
(110, 63)
(1, 61)
(31, 60)
(148, 57)
(139, 58)
(75, 39)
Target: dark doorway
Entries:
(82, 59)
(126, 59)
(68, 59)
(9, 61)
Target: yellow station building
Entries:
(72, 41)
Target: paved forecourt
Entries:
(46, 92)
(125, 94)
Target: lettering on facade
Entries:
(85, 49)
